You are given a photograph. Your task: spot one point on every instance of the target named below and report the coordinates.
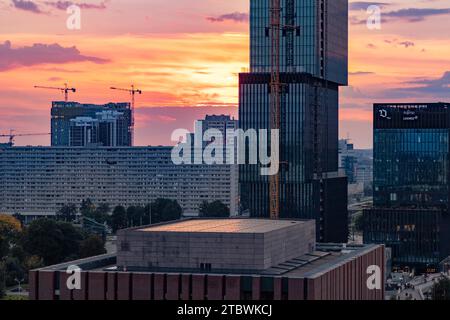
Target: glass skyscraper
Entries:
(411, 183)
(313, 64)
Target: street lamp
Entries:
(19, 282)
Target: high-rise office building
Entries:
(411, 183)
(313, 64)
(114, 121)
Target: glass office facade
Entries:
(313, 65)
(411, 175)
(314, 39)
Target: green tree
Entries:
(53, 241)
(67, 213)
(118, 219)
(359, 222)
(214, 209)
(93, 245)
(2, 280)
(165, 210)
(10, 229)
(104, 209)
(13, 269)
(87, 208)
(441, 290)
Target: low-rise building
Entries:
(220, 259)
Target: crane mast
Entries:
(64, 90)
(275, 98)
(133, 91)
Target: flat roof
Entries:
(223, 226)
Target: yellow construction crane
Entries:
(133, 91)
(64, 90)
(275, 98)
(13, 135)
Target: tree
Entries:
(165, 210)
(10, 229)
(2, 280)
(53, 241)
(12, 269)
(87, 208)
(441, 290)
(118, 219)
(359, 222)
(67, 213)
(104, 208)
(214, 209)
(93, 245)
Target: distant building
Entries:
(228, 259)
(358, 167)
(411, 183)
(38, 181)
(114, 124)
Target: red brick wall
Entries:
(123, 286)
(173, 287)
(215, 287)
(348, 281)
(142, 286)
(82, 293)
(232, 287)
(158, 286)
(97, 286)
(33, 285)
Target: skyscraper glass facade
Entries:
(411, 175)
(314, 39)
(309, 111)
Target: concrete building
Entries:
(38, 181)
(64, 112)
(293, 267)
(223, 245)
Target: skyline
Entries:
(186, 61)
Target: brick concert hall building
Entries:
(220, 259)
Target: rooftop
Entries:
(325, 258)
(246, 226)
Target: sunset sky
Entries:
(186, 54)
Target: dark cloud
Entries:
(439, 88)
(404, 43)
(63, 5)
(416, 14)
(361, 73)
(406, 15)
(26, 6)
(39, 53)
(235, 17)
(363, 5)
(407, 44)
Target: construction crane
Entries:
(276, 86)
(64, 90)
(11, 136)
(133, 91)
(275, 98)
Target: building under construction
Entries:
(298, 61)
(77, 125)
